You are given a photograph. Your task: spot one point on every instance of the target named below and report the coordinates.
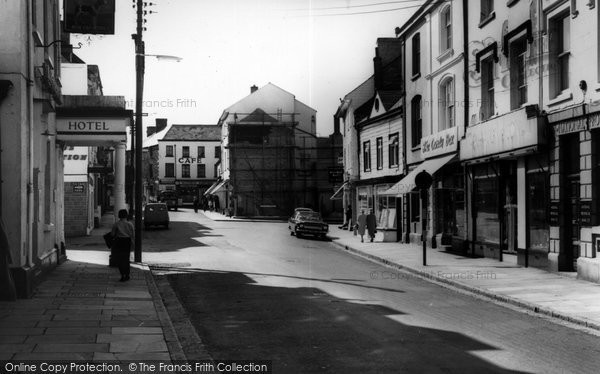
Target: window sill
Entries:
(511, 3)
(488, 19)
(564, 96)
(415, 77)
(417, 148)
(445, 54)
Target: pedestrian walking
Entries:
(123, 237)
(361, 224)
(371, 225)
(196, 204)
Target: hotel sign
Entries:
(92, 130)
(442, 142)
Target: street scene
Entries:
(268, 186)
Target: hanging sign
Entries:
(89, 16)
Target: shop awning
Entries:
(407, 183)
(338, 194)
(211, 188)
(220, 187)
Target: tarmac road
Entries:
(253, 292)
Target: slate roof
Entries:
(193, 132)
(389, 98)
(258, 115)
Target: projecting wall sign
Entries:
(91, 131)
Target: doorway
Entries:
(569, 146)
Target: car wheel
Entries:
(298, 235)
(291, 233)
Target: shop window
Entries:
(518, 78)
(367, 155)
(416, 126)
(538, 200)
(394, 150)
(446, 104)
(365, 200)
(485, 201)
(185, 171)
(416, 55)
(169, 151)
(201, 171)
(201, 152)
(379, 142)
(169, 170)
(487, 88)
(185, 152)
(415, 207)
(560, 34)
(446, 29)
(386, 210)
(596, 177)
(450, 207)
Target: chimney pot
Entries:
(253, 89)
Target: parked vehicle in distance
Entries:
(156, 214)
(308, 223)
(170, 198)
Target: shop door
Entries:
(572, 222)
(399, 220)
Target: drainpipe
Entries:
(30, 74)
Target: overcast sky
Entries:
(227, 46)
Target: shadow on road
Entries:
(306, 330)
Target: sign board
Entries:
(91, 130)
(78, 188)
(336, 175)
(585, 213)
(577, 125)
(89, 16)
(554, 213)
(442, 142)
(594, 121)
(190, 160)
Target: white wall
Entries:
(74, 79)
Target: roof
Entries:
(258, 115)
(389, 98)
(153, 139)
(193, 132)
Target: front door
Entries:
(572, 222)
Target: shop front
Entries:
(372, 196)
(574, 206)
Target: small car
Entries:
(156, 214)
(171, 199)
(308, 223)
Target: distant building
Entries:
(188, 155)
(269, 153)
(151, 159)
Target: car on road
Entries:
(308, 223)
(156, 214)
(171, 199)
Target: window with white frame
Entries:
(416, 126)
(416, 55)
(446, 29)
(518, 78)
(367, 155)
(446, 104)
(379, 143)
(487, 7)
(185, 151)
(560, 46)
(394, 150)
(185, 171)
(201, 171)
(169, 151)
(201, 151)
(169, 170)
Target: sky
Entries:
(318, 50)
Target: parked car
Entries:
(156, 214)
(171, 199)
(308, 223)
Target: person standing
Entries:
(196, 204)
(361, 225)
(371, 224)
(123, 234)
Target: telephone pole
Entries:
(139, 92)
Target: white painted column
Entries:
(119, 186)
(522, 203)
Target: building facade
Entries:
(188, 158)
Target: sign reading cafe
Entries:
(440, 143)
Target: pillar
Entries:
(119, 186)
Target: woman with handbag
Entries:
(123, 234)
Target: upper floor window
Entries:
(367, 155)
(446, 29)
(394, 150)
(201, 171)
(201, 152)
(518, 78)
(416, 55)
(446, 104)
(416, 121)
(185, 152)
(560, 46)
(185, 170)
(379, 144)
(169, 151)
(488, 104)
(217, 151)
(169, 170)
(487, 7)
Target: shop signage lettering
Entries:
(595, 121)
(76, 157)
(569, 127)
(87, 125)
(188, 160)
(439, 143)
(554, 213)
(78, 188)
(585, 213)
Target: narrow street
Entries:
(254, 292)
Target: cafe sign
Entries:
(440, 143)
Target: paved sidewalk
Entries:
(82, 312)
(551, 294)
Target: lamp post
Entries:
(139, 94)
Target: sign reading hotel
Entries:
(440, 143)
(91, 131)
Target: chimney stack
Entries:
(377, 67)
(253, 89)
(150, 130)
(336, 124)
(161, 124)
